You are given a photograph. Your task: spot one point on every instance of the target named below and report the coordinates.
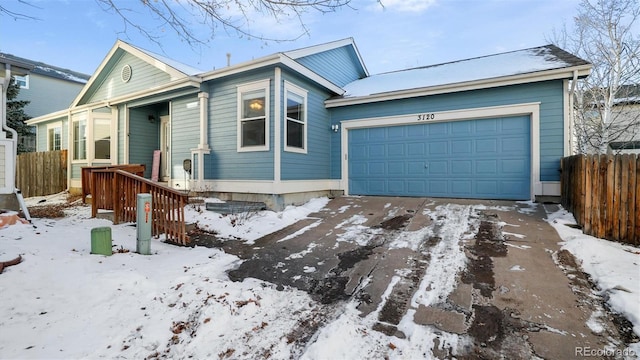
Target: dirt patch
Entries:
(488, 243)
(395, 223)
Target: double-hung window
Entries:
(253, 116)
(79, 133)
(22, 81)
(296, 119)
(54, 137)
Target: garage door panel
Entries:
(416, 168)
(485, 158)
(438, 167)
(461, 188)
(416, 149)
(396, 150)
(461, 167)
(489, 126)
(487, 167)
(487, 146)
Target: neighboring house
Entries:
(47, 88)
(296, 124)
(627, 114)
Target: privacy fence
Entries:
(603, 193)
(41, 173)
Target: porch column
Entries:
(203, 146)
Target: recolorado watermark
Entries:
(586, 351)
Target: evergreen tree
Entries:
(16, 116)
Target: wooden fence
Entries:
(603, 193)
(114, 189)
(41, 173)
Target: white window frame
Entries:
(56, 125)
(22, 78)
(87, 135)
(296, 90)
(241, 89)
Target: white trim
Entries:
(267, 186)
(296, 54)
(555, 74)
(531, 109)
(125, 155)
(566, 118)
(77, 117)
(550, 188)
(289, 87)
(252, 86)
(57, 124)
(277, 125)
(272, 60)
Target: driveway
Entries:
(488, 273)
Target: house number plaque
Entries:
(426, 116)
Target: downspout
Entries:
(572, 111)
(14, 134)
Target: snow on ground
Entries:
(63, 302)
(613, 267)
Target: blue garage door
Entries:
(477, 159)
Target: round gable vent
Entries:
(126, 73)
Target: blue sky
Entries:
(77, 34)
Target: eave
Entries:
(564, 73)
(272, 60)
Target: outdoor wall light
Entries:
(152, 118)
(335, 127)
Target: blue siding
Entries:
(185, 132)
(315, 164)
(109, 84)
(225, 162)
(549, 94)
(143, 138)
(340, 66)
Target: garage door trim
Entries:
(531, 109)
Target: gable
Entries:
(109, 82)
(340, 65)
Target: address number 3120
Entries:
(424, 117)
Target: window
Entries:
(54, 137)
(102, 139)
(22, 81)
(296, 118)
(80, 139)
(253, 120)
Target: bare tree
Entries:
(606, 104)
(236, 16)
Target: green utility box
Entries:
(101, 241)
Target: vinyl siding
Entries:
(315, 163)
(549, 94)
(144, 138)
(340, 66)
(185, 132)
(42, 134)
(225, 162)
(47, 95)
(143, 76)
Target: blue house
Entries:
(313, 121)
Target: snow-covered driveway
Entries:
(351, 278)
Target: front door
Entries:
(165, 147)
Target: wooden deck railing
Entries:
(137, 169)
(117, 190)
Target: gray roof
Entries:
(49, 70)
